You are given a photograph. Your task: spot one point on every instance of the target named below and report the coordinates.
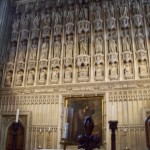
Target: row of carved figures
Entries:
(42, 20)
(82, 74)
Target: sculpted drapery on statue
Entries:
(19, 78)
(140, 44)
(126, 41)
(112, 45)
(58, 17)
(57, 48)
(83, 14)
(44, 49)
(33, 51)
(70, 16)
(83, 44)
(31, 76)
(98, 44)
(97, 12)
(69, 47)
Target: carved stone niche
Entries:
(113, 57)
(148, 18)
(67, 62)
(99, 59)
(111, 23)
(128, 70)
(83, 26)
(143, 71)
(98, 25)
(83, 73)
(69, 28)
(141, 55)
(99, 72)
(55, 75)
(138, 20)
(83, 60)
(68, 75)
(8, 78)
(127, 56)
(35, 33)
(57, 30)
(42, 76)
(19, 77)
(31, 76)
(46, 32)
(24, 35)
(113, 71)
(55, 62)
(124, 22)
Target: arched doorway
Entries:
(20, 138)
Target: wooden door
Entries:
(20, 143)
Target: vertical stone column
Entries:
(5, 19)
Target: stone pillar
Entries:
(5, 19)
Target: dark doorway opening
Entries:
(20, 143)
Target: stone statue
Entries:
(36, 21)
(8, 78)
(83, 44)
(30, 78)
(68, 73)
(113, 70)
(83, 72)
(57, 49)
(33, 51)
(136, 8)
(99, 70)
(44, 51)
(112, 46)
(58, 17)
(143, 68)
(128, 69)
(83, 14)
(98, 44)
(69, 47)
(46, 18)
(139, 40)
(97, 13)
(69, 16)
(19, 77)
(12, 53)
(126, 41)
(55, 74)
(43, 75)
(124, 11)
(110, 10)
(22, 51)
